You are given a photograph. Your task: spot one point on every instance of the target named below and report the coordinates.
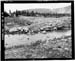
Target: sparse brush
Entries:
(36, 43)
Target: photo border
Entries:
(2, 29)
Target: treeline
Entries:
(32, 13)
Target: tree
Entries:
(6, 14)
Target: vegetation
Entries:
(45, 24)
(37, 24)
(36, 14)
(55, 48)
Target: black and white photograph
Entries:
(37, 30)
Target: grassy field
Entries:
(51, 48)
(35, 23)
(52, 44)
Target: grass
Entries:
(51, 48)
(35, 22)
(56, 48)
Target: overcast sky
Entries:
(24, 6)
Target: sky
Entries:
(24, 6)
